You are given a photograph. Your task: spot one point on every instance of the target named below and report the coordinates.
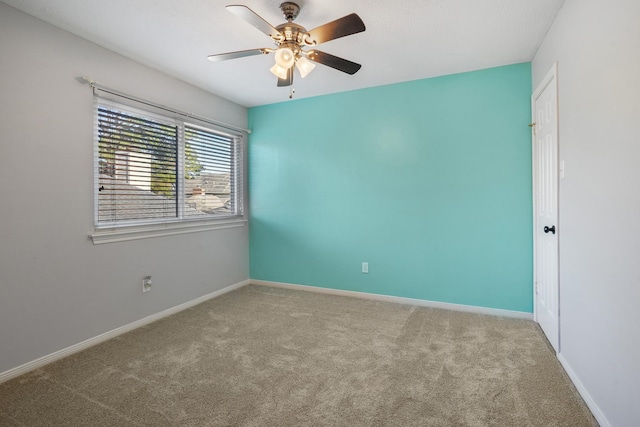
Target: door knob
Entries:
(551, 229)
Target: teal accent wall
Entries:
(428, 181)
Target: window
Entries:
(154, 169)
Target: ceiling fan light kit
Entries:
(291, 38)
(279, 72)
(284, 57)
(304, 66)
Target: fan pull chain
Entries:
(292, 90)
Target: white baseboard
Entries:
(45, 360)
(399, 300)
(595, 410)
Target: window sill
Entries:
(123, 234)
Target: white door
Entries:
(545, 187)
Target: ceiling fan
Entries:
(291, 39)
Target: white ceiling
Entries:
(405, 40)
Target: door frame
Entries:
(550, 78)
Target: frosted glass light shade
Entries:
(304, 66)
(279, 71)
(284, 57)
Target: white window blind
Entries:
(152, 169)
(209, 170)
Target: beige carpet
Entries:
(264, 356)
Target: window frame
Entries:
(114, 231)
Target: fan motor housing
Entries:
(292, 32)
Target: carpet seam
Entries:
(100, 404)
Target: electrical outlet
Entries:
(365, 267)
(146, 284)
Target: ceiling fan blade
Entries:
(329, 60)
(238, 54)
(288, 81)
(254, 19)
(345, 26)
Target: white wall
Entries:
(597, 46)
(56, 288)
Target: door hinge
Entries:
(535, 286)
(533, 127)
